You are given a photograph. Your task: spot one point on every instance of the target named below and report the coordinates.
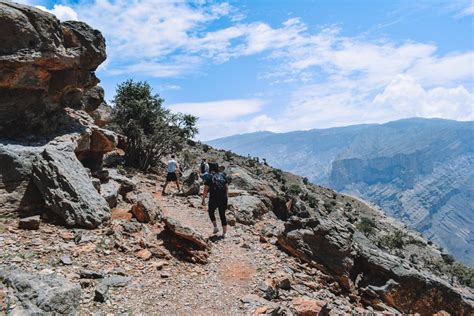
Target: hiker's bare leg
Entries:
(164, 187)
(224, 230)
(177, 184)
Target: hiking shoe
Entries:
(216, 230)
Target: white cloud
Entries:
(342, 80)
(405, 97)
(467, 11)
(220, 110)
(63, 13)
(226, 117)
(168, 87)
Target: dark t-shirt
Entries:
(216, 193)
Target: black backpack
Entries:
(213, 166)
(203, 167)
(218, 182)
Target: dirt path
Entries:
(217, 287)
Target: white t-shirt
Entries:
(206, 167)
(172, 165)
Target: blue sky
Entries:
(245, 66)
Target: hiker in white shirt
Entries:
(172, 168)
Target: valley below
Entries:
(421, 171)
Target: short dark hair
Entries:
(172, 156)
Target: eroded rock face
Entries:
(360, 266)
(404, 287)
(47, 88)
(322, 240)
(45, 65)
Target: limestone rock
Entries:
(102, 115)
(309, 307)
(30, 223)
(42, 293)
(191, 184)
(18, 193)
(185, 242)
(126, 184)
(247, 208)
(67, 189)
(405, 288)
(146, 209)
(45, 66)
(110, 191)
(322, 240)
(185, 232)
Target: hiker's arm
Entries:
(204, 194)
(226, 189)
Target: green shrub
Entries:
(294, 190)
(396, 239)
(228, 155)
(278, 173)
(305, 181)
(366, 226)
(151, 130)
(189, 158)
(312, 201)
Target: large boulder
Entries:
(146, 208)
(184, 241)
(45, 65)
(18, 193)
(102, 115)
(41, 294)
(326, 241)
(330, 242)
(191, 184)
(247, 208)
(110, 192)
(404, 287)
(67, 189)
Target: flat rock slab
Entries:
(185, 232)
(30, 223)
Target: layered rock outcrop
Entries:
(48, 88)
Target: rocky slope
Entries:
(80, 233)
(47, 90)
(417, 170)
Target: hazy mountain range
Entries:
(418, 170)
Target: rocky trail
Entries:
(143, 276)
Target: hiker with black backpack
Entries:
(204, 167)
(215, 183)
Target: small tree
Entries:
(151, 130)
(294, 190)
(366, 226)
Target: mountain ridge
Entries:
(391, 165)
